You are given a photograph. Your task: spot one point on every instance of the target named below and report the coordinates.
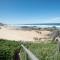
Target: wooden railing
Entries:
(30, 55)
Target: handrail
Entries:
(29, 53)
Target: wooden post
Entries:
(26, 56)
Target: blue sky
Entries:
(29, 11)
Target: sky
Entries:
(29, 11)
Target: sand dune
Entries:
(22, 35)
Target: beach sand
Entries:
(22, 35)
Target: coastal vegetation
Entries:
(44, 51)
(9, 50)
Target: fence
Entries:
(30, 55)
(55, 54)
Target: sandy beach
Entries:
(22, 35)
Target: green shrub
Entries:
(8, 49)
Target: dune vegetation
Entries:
(44, 51)
(8, 49)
